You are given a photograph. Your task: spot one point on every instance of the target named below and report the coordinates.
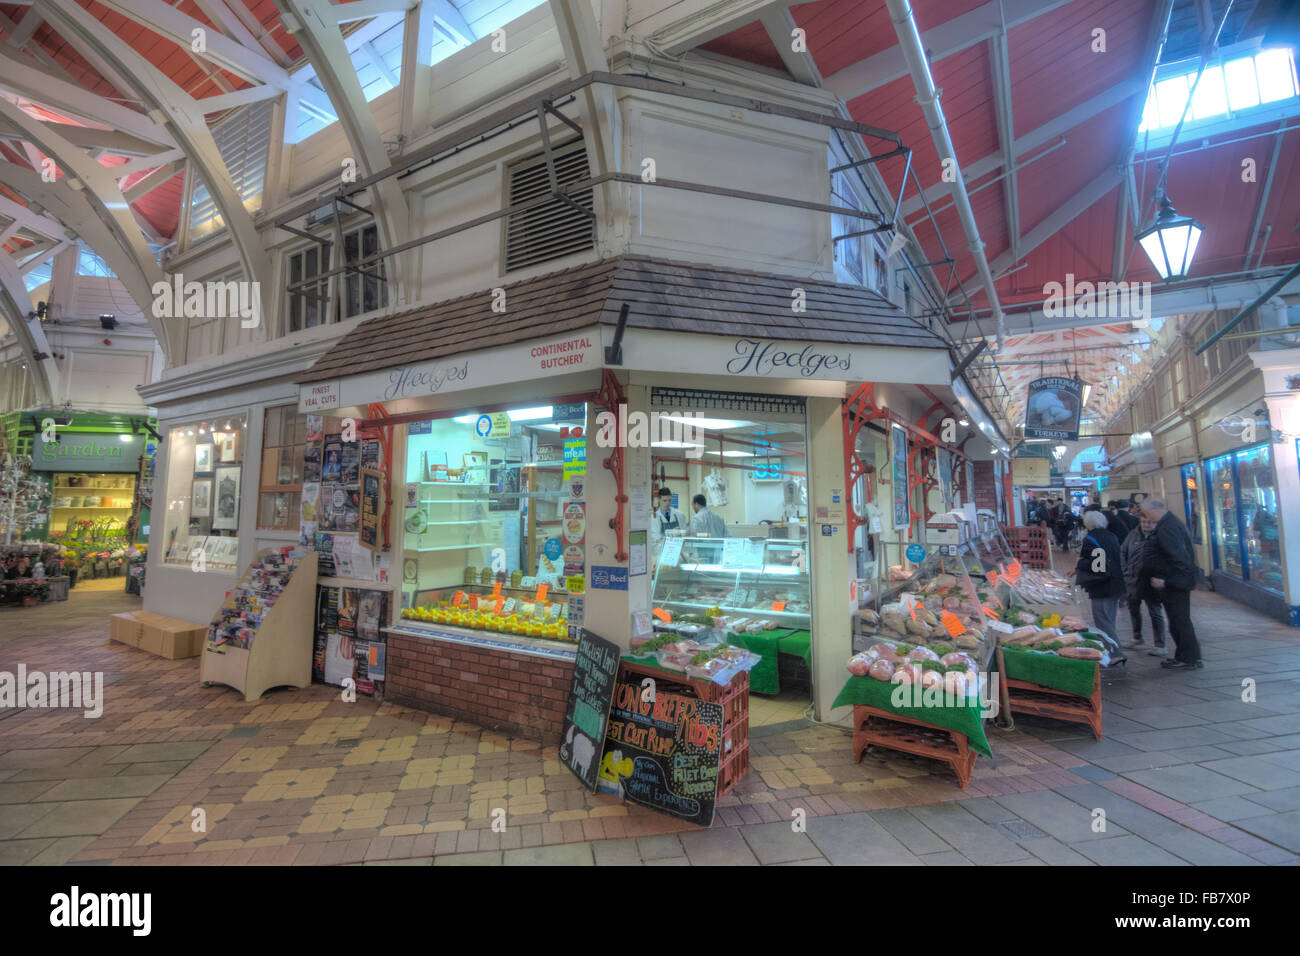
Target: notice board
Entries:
(664, 751)
(587, 712)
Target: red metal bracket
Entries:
(858, 409)
(609, 398)
(378, 411)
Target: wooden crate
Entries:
(883, 728)
(1026, 697)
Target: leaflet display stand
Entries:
(279, 645)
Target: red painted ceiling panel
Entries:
(750, 44)
(842, 32)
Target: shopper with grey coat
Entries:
(1130, 555)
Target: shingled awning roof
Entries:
(669, 296)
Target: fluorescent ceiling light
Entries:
(733, 454)
(713, 424)
(516, 415)
(1038, 441)
(675, 444)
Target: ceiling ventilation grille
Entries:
(555, 229)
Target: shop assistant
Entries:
(666, 517)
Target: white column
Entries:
(831, 568)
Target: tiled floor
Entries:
(781, 708)
(1188, 773)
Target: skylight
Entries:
(1228, 87)
(92, 264)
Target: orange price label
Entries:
(778, 605)
(473, 602)
(993, 578)
(498, 604)
(989, 612)
(541, 592)
(496, 589)
(952, 624)
(458, 599)
(662, 615)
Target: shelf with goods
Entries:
(261, 637)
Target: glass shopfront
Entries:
(495, 524)
(1242, 497)
(204, 490)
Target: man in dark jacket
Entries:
(1169, 567)
(1120, 523)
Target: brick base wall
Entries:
(513, 693)
(986, 494)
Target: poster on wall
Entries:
(663, 753)
(370, 485)
(1053, 408)
(899, 477)
(225, 517)
(201, 498)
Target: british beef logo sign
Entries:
(1053, 408)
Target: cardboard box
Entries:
(125, 628)
(170, 638)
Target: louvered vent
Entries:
(555, 229)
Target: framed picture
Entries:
(203, 459)
(225, 516)
(201, 498)
(228, 447)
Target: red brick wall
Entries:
(513, 693)
(986, 495)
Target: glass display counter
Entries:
(762, 579)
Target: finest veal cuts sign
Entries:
(664, 751)
(587, 712)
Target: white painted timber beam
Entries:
(1061, 217)
(44, 256)
(15, 305)
(252, 65)
(417, 71)
(365, 9)
(323, 43)
(236, 98)
(780, 26)
(241, 26)
(27, 219)
(86, 137)
(1000, 61)
(185, 121)
(151, 182)
(100, 191)
(675, 26)
(68, 97)
(1035, 139)
(959, 33)
(452, 21)
(29, 24)
(142, 163)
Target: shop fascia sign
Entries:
(561, 355)
(72, 451)
(753, 357)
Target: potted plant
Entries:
(31, 593)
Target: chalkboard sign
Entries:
(587, 711)
(663, 753)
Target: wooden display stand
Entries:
(883, 728)
(733, 765)
(281, 650)
(1026, 697)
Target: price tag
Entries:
(778, 605)
(993, 578)
(952, 623)
(473, 602)
(458, 599)
(498, 605)
(496, 589)
(541, 592)
(989, 612)
(662, 615)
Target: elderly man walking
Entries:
(1169, 567)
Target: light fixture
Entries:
(675, 444)
(125, 437)
(733, 454)
(107, 322)
(964, 422)
(1170, 241)
(712, 424)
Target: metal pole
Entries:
(1273, 290)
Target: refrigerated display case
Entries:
(766, 578)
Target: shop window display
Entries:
(1191, 507)
(1243, 509)
(494, 526)
(204, 480)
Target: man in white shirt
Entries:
(704, 521)
(666, 517)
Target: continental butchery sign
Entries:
(1053, 409)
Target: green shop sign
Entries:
(87, 452)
